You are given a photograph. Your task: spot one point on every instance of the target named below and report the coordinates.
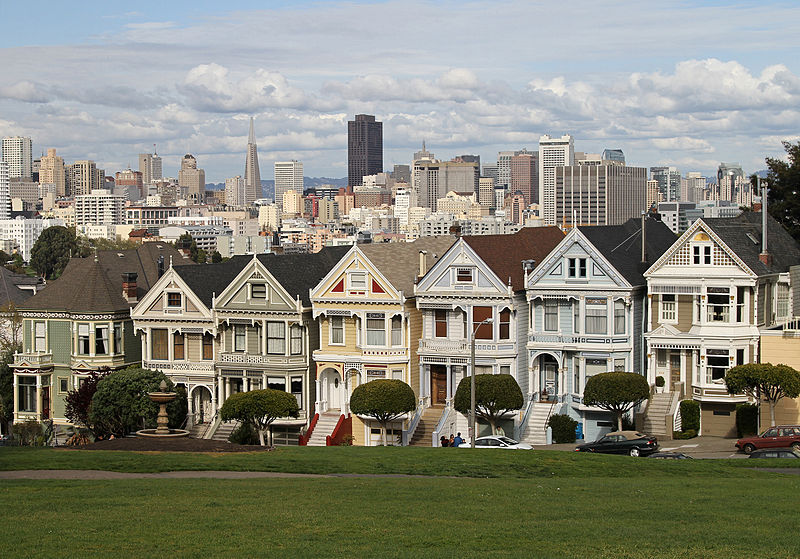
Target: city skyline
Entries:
(679, 92)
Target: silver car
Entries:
(498, 441)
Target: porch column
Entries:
(39, 397)
(227, 387)
(147, 343)
(16, 397)
(264, 338)
(449, 383)
(318, 393)
(246, 382)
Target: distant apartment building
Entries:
(364, 148)
(132, 182)
(486, 192)
(234, 191)
(288, 176)
(5, 198)
(525, 176)
(151, 218)
(191, 180)
(26, 190)
(18, 153)
(432, 179)
(52, 171)
(23, 232)
(293, 202)
(83, 177)
(269, 217)
(150, 167)
(101, 207)
(504, 168)
(669, 182)
(207, 237)
(599, 195)
(553, 153)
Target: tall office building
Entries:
(18, 153)
(288, 176)
(553, 152)
(614, 155)
(504, 168)
(131, 183)
(486, 192)
(150, 168)
(432, 179)
(525, 176)
(83, 177)
(364, 148)
(191, 180)
(5, 191)
(51, 171)
(669, 182)
(599, 194)
(234, 191)
(252, 174)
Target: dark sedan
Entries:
(776, 453)
(622, 442)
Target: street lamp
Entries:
(472, 384)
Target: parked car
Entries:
(670, 456)
(776, 453)
(633, 443)
(498, 441)
(778, 436)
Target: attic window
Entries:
(464, 275)
(258, 291)
(174, 300)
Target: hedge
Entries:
(563, 427)
(690, 416)
(746, 420)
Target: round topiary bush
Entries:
(563, 427)
(660, 381)
(746, 420)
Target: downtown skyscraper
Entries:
(364, 148)
(252, 174)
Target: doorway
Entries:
(548, 370)
(333, 388)
(674, 369)
(438, 384)
(201, 403)
(45, 402)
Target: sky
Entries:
(688, 84)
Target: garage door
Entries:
(718, 420)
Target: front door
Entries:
(675, 369)
(438, 384)
(334, 390)
(549, 380)
(45, 402)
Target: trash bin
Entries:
(579, 431)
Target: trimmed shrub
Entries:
(244, 434)
(746, 420)
(29, 433)
(563, 428)
(660, 381)
(681, 435)
(690, 415)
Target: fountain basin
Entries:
(156, 434)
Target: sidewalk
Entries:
(699, 447)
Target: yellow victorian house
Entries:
(369, 329)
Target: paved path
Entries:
(699, 447)
(189, 474)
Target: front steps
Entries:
(426, 426)
(324, 427)
(536, 431)
(655, 419)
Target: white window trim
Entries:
(663, 307)
(330, 331)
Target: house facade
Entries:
(79, 324)
(587, 306)
(369, 326)
(479, 279)
(709, 295)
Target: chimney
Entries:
(422, 264)
(129, 286)
(644, 239)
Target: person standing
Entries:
(457, 440)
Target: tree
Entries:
(52, 250)
(764, 381)
(10, 328)
(6, 390)
(784, 185)
(187, 242)
(616, 392)
(79, 401)
(121, 404)
(259, 408)
(383, 400)
(496, 396)
(216, 257)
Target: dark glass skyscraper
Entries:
(364, 148)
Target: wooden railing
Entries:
(303, 441)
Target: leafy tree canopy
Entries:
(121, 404)
(784, 193)
(259, 408)
(616, 392)
(384, 400)
(52, 250)
(79, 401)
(496, 396)
(764, 381)
(6, 389)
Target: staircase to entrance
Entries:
(325, 425)
(536, 432)
(427, 425)
(658, 415)
(224, 430)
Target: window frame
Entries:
(170, 302)
(504, 324)
(239, 338)
(550, 315)
(178, 346)
(333, 329)
(208, 343)
(576, 267)
(26, 393)
(440, 319)
(592, 315)
(276, 344)
(396, 329)
(159, 345)
(84, 339)
(262, 291)
(620, 314)
(102, 335)
(119, 334)
(372, 333)
(296, 339)
(465, 275)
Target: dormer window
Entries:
(357, 281)
(464, 275)
(258, 291)
(174, 300)
(576, 268)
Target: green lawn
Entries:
(534, 504)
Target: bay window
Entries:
(178, 346)
(276, 338)
(440, 323)
(485, 331)
(239, 337)
(26, 393)
(376, 329)
(397, 330)
(40, 336)
(101, 341)
(596, 316)
(551, 316)
(296, 339)
(158, 344)
(337, 330)
(83, 339)
(505, 325)
(619, 316)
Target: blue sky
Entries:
(688, 84)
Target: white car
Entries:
(497, 441)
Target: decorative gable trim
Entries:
(169, 281)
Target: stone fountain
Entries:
(162, 398)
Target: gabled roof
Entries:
(621, 245)
(297, 273)
(504, 253)
(399, 262)
(742, 234)
(94, 284)
(9, 292)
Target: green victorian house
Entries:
(81, 323)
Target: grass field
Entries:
(533, 504)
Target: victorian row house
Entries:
(236, 326)
(81, 323)
(710, 295)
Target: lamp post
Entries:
(472, 384)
